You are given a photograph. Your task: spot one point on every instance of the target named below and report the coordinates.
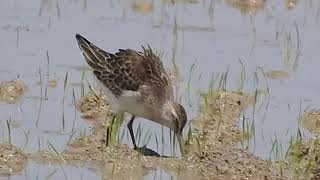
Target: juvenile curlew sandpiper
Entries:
(137, 83)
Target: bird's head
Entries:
(175, 117)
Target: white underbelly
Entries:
(127, 103)
(133, 106)
(130, 103)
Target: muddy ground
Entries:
(304, 158)
(212, 156)
(12, 160)
(310, 120)
(304, 154)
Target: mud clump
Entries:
(142, 6)
(11, 91)
(277, 74)
(228, 163)
(220, 113)
(291, 4)
(52, 83)
(247, 6)
(93, 106)
(12, 160)
(311, 120)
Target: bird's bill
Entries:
(181, 143)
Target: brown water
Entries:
(213, 35)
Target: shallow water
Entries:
(39, 171)
(210, 34)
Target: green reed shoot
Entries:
(26, 136)
(56, 152)
(63, 101)
(18, 36)
(175, 46)
(242, 76)
(157, 143)
(39, 144)
(51, 174)
(58, 10)
(162, 139)
(48, 76)
(113, 129)
(189, 136)
(189, 83)
(9, 130)
(75, 109)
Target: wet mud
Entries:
(12, 159)
(303, 158)
(310, 120)
(12, 91)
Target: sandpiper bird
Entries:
(136, 83)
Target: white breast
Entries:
(130, 102)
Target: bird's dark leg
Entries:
(181, 143)
(129, 125)
(143, 150)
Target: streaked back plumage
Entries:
(129, 70)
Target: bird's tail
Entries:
(82, 41)
(92, 54)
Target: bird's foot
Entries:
(146, 151)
